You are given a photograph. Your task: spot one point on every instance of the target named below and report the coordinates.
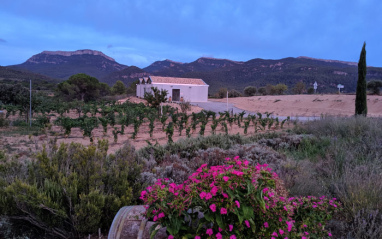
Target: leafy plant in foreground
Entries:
(235, 201)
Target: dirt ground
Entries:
(288, 105)
(306, 105)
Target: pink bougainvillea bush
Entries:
(235, 200)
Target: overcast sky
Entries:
(139, 32)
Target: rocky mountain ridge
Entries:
(35, 58)
(218, 73)
(63, 64)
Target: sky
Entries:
(140, 32)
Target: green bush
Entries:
(250, 91)
(70, 191)
(3, 122)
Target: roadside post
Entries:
(315, 87)
(339, 86)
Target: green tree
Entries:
(104, 89)
(118, 88)
(374, 86)
(270, 89)
(233, 93)
(132, 89)
(280, 88)
(222, 93)
(360, 99)
(80, 86)
(250, 91)
(155, 98)
(18, 96)
(262, 91)
(299, 87)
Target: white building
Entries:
(190, 89)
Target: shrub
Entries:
(222, 93)
(233, 93)
(310, 91)
(250, 91)
(262, 91)
(3, 122)
(374, 86)
(235, 201)
(71, 190)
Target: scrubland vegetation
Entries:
(56, 191)
(72, 190)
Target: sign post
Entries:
(315, 87)
(339, 86)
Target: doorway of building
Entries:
(176, 94)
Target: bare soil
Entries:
(289, 105)
(306, 105)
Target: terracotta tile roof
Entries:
(176, 80)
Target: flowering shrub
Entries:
(235, 201)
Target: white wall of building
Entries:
(192, 93)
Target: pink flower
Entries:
(238, 173)
(275, 234)
(202, 195)
(306, 233)
(225, 195)
(214, 190)
(155, 218)
(209, 232)
(143, 194)
(208, 196)
(290, 225)
(246, 162)
(197, 237)
(281, 231)
(161, 215)
(266, 224)
(170, 237)
(232, 237)
(266, 199)
(226, 178)
(219, 236)
(223, 210)
(329, 234)
(236, 157)
(247, 223)
(213, 207)
(237, 203)
(230, 227)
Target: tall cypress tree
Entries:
(360, 99)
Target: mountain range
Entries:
(217, 73)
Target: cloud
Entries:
(109, 46)
(2, 40)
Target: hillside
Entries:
(259, 72)
(63, 64)
(218, 73)
(127, 75)
(10, 76)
